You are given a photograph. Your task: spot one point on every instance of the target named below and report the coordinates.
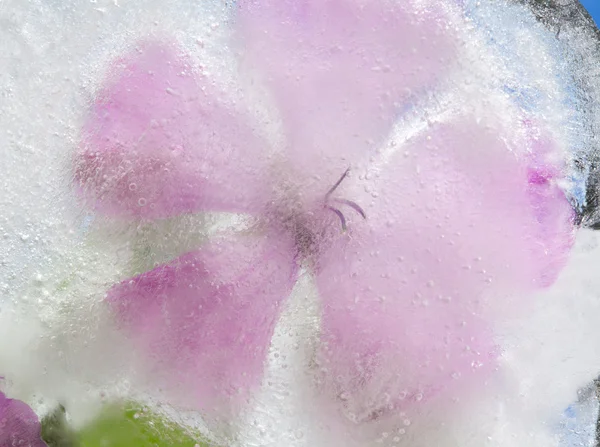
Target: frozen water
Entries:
(59, 343)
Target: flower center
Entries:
(313, 224)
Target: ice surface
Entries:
(59, 343)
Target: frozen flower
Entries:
(418, 248)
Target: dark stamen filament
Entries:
(339, 214)
(334, 187)
(355, 206)
(349, 203)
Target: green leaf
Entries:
(118, 426)
(56, 431)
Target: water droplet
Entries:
(141, 201)
(476, 364)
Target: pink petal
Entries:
(455, 238)
(543, 173)
(19, 425)
(204, 321)
(159, 141)
(341, 71)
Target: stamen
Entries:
(334, 187)
(349, 203)
(355, 206)
(339, 214)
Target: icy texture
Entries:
(462, 134)
(581, 418)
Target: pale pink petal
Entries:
(456, 236)
(341, 71)
(543, 173)
(160, 140)
(19, 425)
(204, 321)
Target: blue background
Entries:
(593, 6)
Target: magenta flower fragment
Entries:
(19, 425)
(416, 254)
